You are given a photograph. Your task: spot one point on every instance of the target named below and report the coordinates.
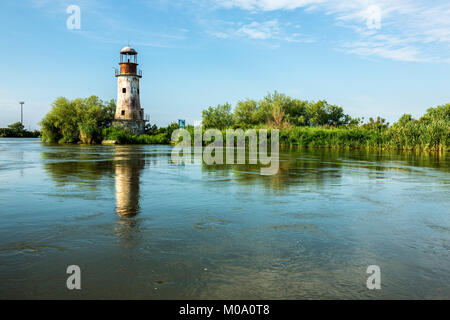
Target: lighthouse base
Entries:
(135, 127)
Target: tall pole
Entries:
(21, 111)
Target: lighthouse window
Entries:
(123, 112)
(124, 90)
(138, 91)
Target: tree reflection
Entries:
(320, 167)
(94, 167)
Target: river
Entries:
(142, 227)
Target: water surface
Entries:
(140, 226)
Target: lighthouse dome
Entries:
(128, 50)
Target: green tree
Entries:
(151, 129)
(272, 104)
(321, 113)
(437, 113)
(219, 117)
(296, 112)
(379, 124)
(316, 113)
(170, 129)
(16, 129)
(245, 113)
(70, 121)
(336, 116)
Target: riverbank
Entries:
(319, 124)
(426, 139)
(301, 123)
(393, 138)
(17, 130)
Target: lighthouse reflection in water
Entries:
(127, 168)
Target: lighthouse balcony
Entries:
(128, 72)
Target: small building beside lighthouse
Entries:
(129, 113)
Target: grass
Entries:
(123, 137)
(420, 137)
(428, 138)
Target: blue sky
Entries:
(373, 58)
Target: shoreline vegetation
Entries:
(301, 124)
(17, 130)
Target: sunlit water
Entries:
(140, 226)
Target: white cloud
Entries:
(256, 30)
(221, 35)
(267, 5)
(271, 30)
(410, 29)
(409, 54)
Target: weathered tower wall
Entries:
(128, 104)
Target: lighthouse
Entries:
(129, 113)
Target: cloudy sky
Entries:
(373, 57)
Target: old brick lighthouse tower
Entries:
(129, 113)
